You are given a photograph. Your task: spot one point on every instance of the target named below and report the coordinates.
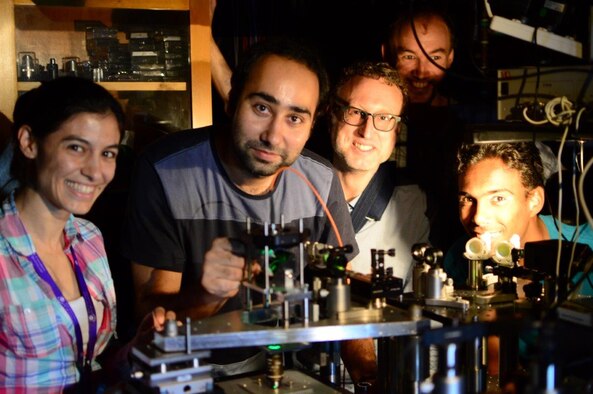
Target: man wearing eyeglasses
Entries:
(387, 212)
(365, 120)
(365, 117)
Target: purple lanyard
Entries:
(81, 361)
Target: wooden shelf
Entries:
(181, 5)
(48, 30)
(123, 86)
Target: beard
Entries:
(255, 166)
(346, 158)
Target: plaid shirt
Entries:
(37, 341)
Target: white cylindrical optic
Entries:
(475, 248)
(503, 253)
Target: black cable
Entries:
(446, 70)
(572, 189)
(415, 33)
(585, 276)
(589, 280)
(521, 87)
(586, 271)
(481, 21)
(537, 68)
(537, 80)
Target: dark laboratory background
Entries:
(348, 30)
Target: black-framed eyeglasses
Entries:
(357, 117)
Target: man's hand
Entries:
(153, 321)
(221, 72)
(223, 271)
(159, 316)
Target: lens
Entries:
(384, 122)
(354, 116)
(357, 117)
(475, 247)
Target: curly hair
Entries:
(521, 156)
(372, 70)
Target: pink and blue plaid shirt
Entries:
(37, 338)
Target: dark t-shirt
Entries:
(181, 199)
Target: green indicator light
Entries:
(274, 347)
